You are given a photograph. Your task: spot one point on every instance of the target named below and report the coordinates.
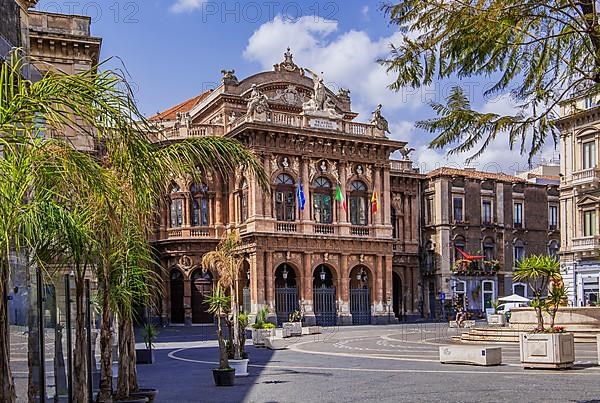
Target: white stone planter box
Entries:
(311, 330)
(283, 332)
(598, 347)
(275, 343)
(294, 327)
(472, 355)
(547, 350)
(496, 320)
(259, 336)
(240, 366)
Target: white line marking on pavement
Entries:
(423, 371)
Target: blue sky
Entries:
(175, 49)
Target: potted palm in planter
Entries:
(146, 355)
(261, 329)
(227, 260)
(545, 347)
(496, 319)
(218, 304)
(295, 323)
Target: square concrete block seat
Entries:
(311, 330)
(467, 324)
(471, 355)
(275, 343)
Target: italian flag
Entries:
(374, 202)
(339, 196)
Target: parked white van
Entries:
(507, 306)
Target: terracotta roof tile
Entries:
(185, 106)
(468, 173)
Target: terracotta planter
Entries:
(547, 350)
(240, 366)
(224, 377)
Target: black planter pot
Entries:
(149, 393)
(144, 356)
(224, 377)
(132, 399)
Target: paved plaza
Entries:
(367, 363)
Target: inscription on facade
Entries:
(323, 124)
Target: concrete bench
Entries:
(471, 355)
(311, 330)
(467, 324)
(275, 343)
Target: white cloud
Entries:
(365, 12)
(184, 6)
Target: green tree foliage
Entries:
(538, 271)
(537, 51)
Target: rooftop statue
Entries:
(379, 121)
(257, 105)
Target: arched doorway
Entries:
(360, 295)
(286, 292)
(202, 285)
(397, 295)
(176, 292)
(324, 296)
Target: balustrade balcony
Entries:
(587, 243)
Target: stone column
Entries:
(386, 205)
(406, 217)
(267, 200)
(219, 208)
(414, 213)
(186, 210)
(389, 288)
(344, 316)
(307, 295)
(415, 289)
(268, 290)
(342, 215)
(305, 214)
(269, 273)
(378, 288)
(231, 200)
(187, 301)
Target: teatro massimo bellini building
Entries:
(340, 266)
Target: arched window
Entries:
(519, 251)
(520, 289)
(243, 196)
(176, 207)
(199, 198)
(322, 201)
(285, 200)
(553, 249)
(358, 203)
(459, 243)
(489, 249)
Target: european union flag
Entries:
(300, 195)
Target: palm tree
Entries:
(227, 261)
(538, 271)
(120, 189)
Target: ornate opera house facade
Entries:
(340, 259)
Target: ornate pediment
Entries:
(588, 200)
(289, 96)
(288, 64)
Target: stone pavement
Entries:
(366, 363)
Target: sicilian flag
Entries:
(339, 196)
(374, 202)
(300, 195)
